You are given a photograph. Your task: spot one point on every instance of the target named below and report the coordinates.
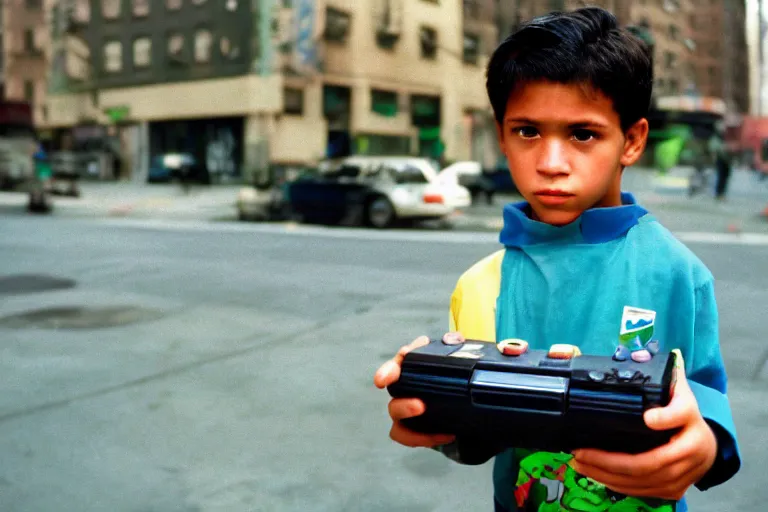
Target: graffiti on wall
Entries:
(220, 153)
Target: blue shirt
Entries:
(571, 285)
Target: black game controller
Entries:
(535, 399)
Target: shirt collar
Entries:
(593, 226)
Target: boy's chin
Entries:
(555, 217)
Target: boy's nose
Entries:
(552, 159)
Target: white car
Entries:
(404, 188)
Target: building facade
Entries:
(243, 84)
(163, 77)
(24, 52)
(700, 47)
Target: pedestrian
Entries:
(723, 165)
(582, 262)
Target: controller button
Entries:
(453, 338)
(562, 351)
(512, 347)
(596, 376)
(626, 374)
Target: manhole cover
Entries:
(79, 318)
(33, 283)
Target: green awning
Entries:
(429, 133)
(385, 109)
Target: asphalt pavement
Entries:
(186, 364)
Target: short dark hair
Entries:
(584, 46)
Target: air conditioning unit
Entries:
(388, 19)
(337, 24)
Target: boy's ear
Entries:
(634, 142)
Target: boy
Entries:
(583, 264)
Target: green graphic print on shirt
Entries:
(546, 483)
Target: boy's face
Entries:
(566, 150)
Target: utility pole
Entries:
(760, 56)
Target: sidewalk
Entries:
(665, 197)
(136, 200)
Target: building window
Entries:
(34, 4)
(674, 32)
(113, 57)
(293, 101)
(336, 25)
(175, 45)
(29, 40)
(203, 42)
(670, 60)
(140, 8)
(228, 50)
(173, 5)
(471, 48)
(472, 9)
(428, 40)
(82, 11)
(110, 9)
(29, 91)
(673, 86)
(384, 102)
(142, 52)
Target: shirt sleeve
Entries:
(706, 375)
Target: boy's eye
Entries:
(527, 132)
(582, 135)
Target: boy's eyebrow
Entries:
(585, 123)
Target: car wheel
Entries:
(380, 213)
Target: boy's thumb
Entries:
(677, 412)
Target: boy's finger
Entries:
(634, 465)
(413, 439)
(387, 373)
(402, 408)
(418, 342)
(653, 486)
(682, 408)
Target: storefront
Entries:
(426, 115)
(337, 109)
(216, 143)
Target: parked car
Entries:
(176, 166)
(471, 176)
(377, 191)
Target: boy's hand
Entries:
(664, 472)
(401, 408)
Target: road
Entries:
(152, 366)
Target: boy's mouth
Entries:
(553, 192)
(552, 197)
